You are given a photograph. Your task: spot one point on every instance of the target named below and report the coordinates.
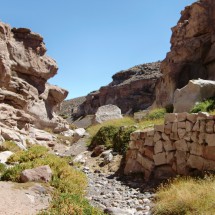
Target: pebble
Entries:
(114, 197)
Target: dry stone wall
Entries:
(184, 144)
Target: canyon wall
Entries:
(183, 145)
(131, 90)
(192, 54)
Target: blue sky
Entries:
(93, 39)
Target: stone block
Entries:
(194, 136)
(189, 126)
(132, 166)
(181, 124)
(182, 116)
(201, 138)
(203, 115)
(195, 162)
(149, 141)
(174, 127)
(209, 153)
(187, 136)
(174, 136)
(157, 136)
(196, 149)
(181, 145)
(143, 135)
(209, 165)
(210, 126)
(196, 126)
(159, 128)
(164, 172)
(160, 159)
(170, 157)
(145, 162)
(202, 127)
(168, 128)
(181, 133)
(158, 148)
(131, 154)
(149, 152)
(192, 117)
(135, 135)
(151, 133)
(181, 160)
(169, 146)
(171, 117)
(210, 139)
(132, 145)
(165, 137)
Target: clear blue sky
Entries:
(93, 39)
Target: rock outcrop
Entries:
(192, 54)
(26, 99)
(131, 90)
(195, 91)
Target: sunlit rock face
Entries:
(131, 90)
(192, 54)
(25, 95)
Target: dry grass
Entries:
(186, 196)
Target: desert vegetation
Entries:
(186, 195)
(69, 184)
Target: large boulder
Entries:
(107, 112)
(195, 91)
(41, 173)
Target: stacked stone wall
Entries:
(184, 144)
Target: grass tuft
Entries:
(186, 196)
(205, 106)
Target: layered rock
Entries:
(192, 54)
(131, 90)
(182, 145)
(26, 99)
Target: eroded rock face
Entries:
(25, 95)
(192, 54)
(131, 90)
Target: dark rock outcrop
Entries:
(131, 90)
(192, 54)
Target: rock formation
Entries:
(131, 90)
(195, 91)
(27, 101)
(192, 54)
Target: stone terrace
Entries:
(184, 144)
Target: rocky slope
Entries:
(192, 54)
(27, 101)
(131, 90)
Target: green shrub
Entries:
(9, 145)
(205, 106)
(2, 167)
(104, 136)
(121, 139)
(69, 183)
(156, 114)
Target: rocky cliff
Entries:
(131, 90)
(192, 54)
(26, 99)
